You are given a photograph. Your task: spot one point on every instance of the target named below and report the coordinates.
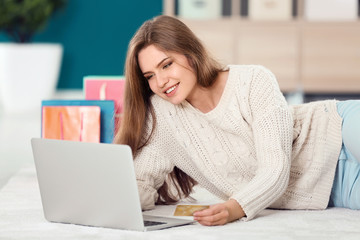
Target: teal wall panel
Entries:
(95, 35)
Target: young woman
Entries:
(191, 121)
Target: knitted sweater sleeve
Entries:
(152, 166)
(271, 123)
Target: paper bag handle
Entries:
(102, 94)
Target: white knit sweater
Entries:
(252, 147)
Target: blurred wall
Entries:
(95, 35)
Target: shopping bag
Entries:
(106, 88)
(107, 111)
(75, 123)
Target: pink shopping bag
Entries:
(106, 88)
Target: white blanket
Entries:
(21, 217)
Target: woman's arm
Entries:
(152, 164)
(151, 170)
(271, 123)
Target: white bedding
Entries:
(21, 217)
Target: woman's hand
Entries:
(220, 214)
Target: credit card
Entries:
(188, 210)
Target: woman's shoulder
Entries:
(244, 76)
(246, 67)
(250, 70)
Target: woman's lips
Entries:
(171, 91)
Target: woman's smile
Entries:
(172, 90)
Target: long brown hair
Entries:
(168, 34)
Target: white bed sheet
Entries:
(21, 217)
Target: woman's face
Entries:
(169, 74)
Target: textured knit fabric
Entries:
(252, 147)
(346, 187)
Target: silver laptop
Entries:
(92, 184)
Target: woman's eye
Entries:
(148, 77)
(167, 65)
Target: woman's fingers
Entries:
(215, 215)
(220, 214)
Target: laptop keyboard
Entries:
(152, 223)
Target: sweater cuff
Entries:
(249, 212)
(262, 192)
(147, 197)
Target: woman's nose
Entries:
(162, 80)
